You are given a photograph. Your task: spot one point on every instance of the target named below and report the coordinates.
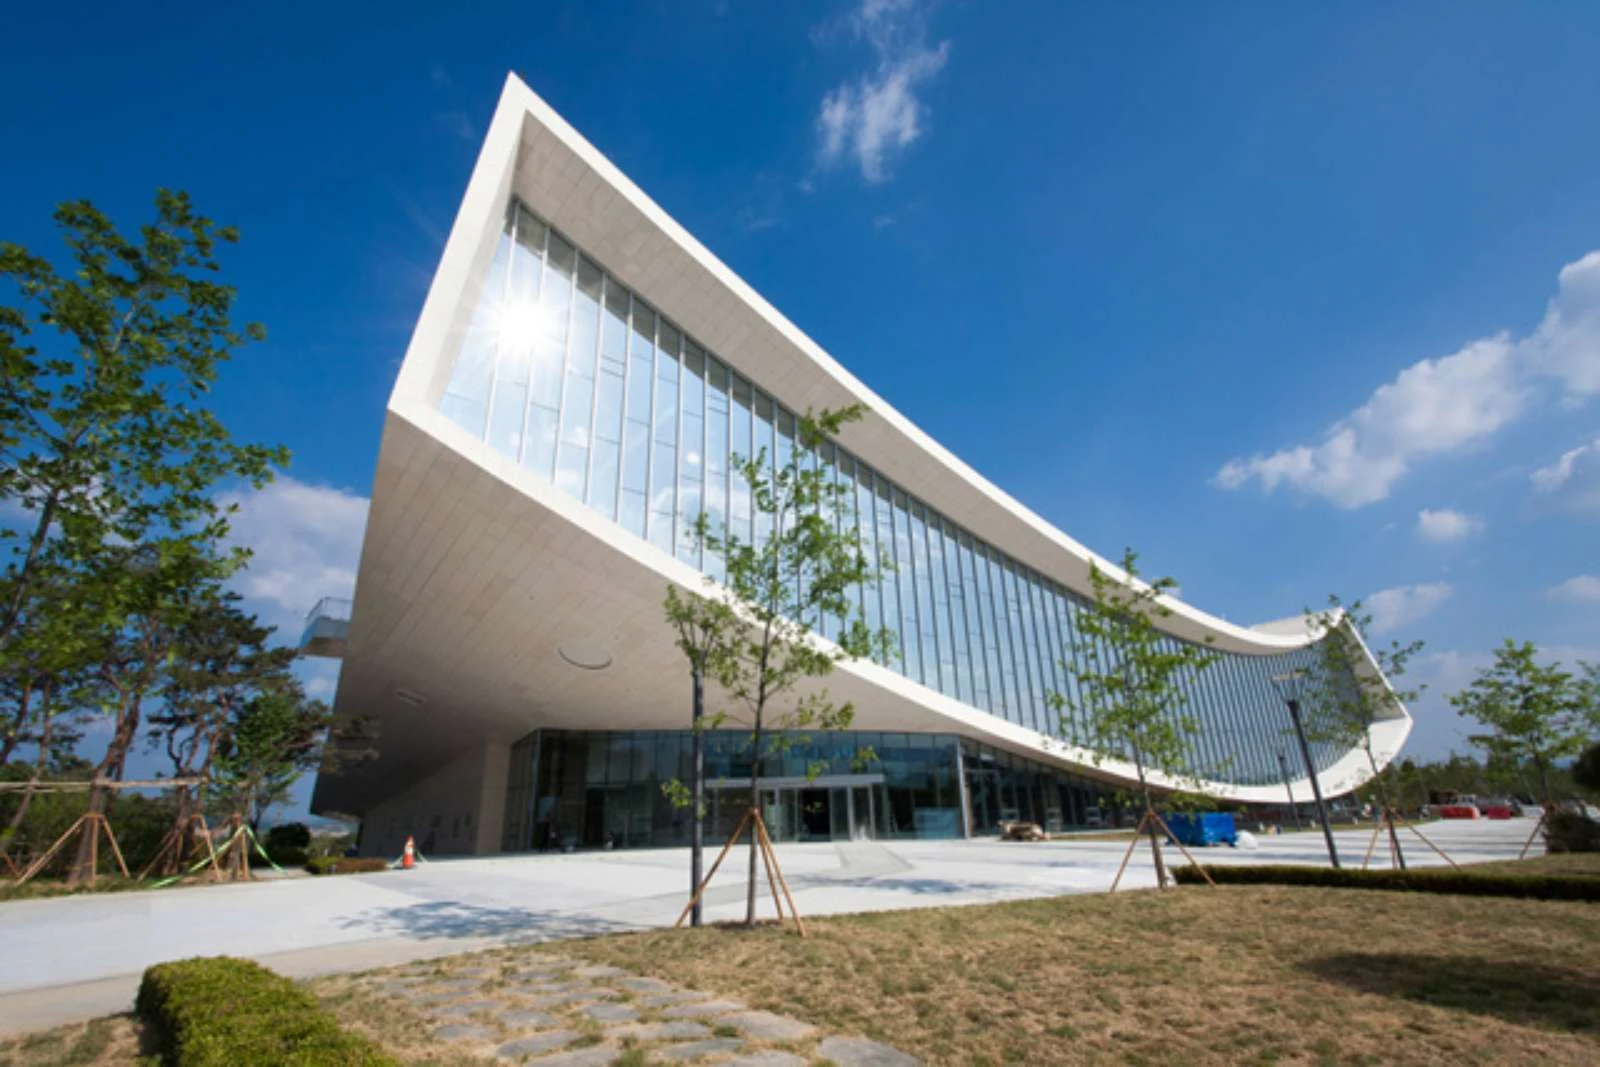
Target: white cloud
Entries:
(874, 117)
(306, 541)
(1567, 343)
(1446, 524)
(1405, 604)
(1584, 588)
(1440, 406)
(1432, 407)
(1573, 479)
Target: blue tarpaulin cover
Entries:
(1203, 828)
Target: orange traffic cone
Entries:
(408, 858)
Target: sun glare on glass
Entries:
(520, 323)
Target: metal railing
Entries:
(330, 607)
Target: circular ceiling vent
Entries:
(585, 655)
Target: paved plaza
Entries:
(72, 958)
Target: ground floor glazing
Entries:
(569, 790)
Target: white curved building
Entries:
(581, 372)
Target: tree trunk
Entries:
(13, 736)
(755, 810)
(1388, 813)
(697, 829)
(1150, 821)
(10, 833)
(109, 768)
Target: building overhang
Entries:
(474, 573)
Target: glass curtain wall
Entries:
(598, 790)
(569, 372)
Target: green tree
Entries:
(704, 627)
(1535, 712)
(1350, 697)
(754, 632)
(108, 450)
(1128, 672)
(272, 739)
(145, 596)
(220, 659)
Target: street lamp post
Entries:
(1290, 686)
(1294, 809)
(698, 797)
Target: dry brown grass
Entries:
(1236, 975)
(113, 1042)
(1196, 976)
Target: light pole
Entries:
(1294, 809)
(697, 838)
(1291, 687)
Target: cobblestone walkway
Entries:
(564, 1013)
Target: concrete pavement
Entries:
(71, 958)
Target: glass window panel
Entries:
(636, 432)
(911, 634)
(926, 609)
(577, 406)
(741, 447)
(664, 458)
(892, 573)
(549, 332)
(466, 398)
(716, 460)
(765, 449)
(515, 330)
(607, 446)
(691, 456)
(961, 651)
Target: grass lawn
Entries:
(1195, 976)
(1235, 975)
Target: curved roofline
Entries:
(577, 184)
(532, 153)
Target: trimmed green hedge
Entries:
(1430, 880)
(346, 864)
(222, 1012)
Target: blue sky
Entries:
(1291, 300)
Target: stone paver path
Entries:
(555, 1012)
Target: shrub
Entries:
(1567, 831)
(1435, 880)
(219, 1012)
(346, 864)
(288, 845)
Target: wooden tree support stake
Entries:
(1391, 819)
(173, 841)
(92, 823)
(769, 857)
(1138, 835)
(1544, 813)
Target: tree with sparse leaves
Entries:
(1534, 711)
(1350, 696)
(1128, 672)
(702, 626)
(754, 632)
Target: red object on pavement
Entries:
(1458, 811)
(1497, 811)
